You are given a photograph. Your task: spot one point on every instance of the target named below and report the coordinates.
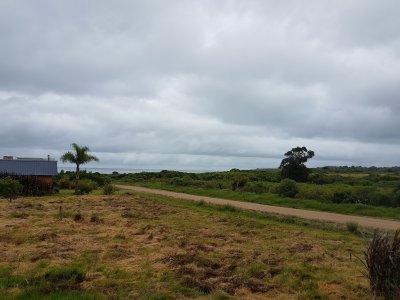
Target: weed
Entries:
(8, 280)
(78, 217)
(108, 189)
(382, 263)
(20, 215)
(129, 214)
(228, 207)
(201, 203)
(352, 227)
(218, 295)
(65, 275)
(95, 219)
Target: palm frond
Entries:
(68, 157)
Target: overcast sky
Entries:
(201, 84)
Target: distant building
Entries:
(42, 168)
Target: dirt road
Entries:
(301, 213)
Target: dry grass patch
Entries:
(134, 247)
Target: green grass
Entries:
(273, 199)
(55, 283)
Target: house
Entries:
(43, 169)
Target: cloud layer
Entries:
(201, 85)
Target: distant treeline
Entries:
(360, 169)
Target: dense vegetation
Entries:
(88, 181)
(365, 191)
(31, 185)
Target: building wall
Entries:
(46, 179)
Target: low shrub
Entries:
(382, 263)
(179, 181)
(9, 188)
(352, 227)
(287, 188)
(31, 185)
(64, 182)
(95, 219)
(65, 277)
(257, 188)
(108, 189)
(381, 199)
(78, 217)
(85, 186)
(396, 198)
(239, 183)
(342, 197)
(316, 192)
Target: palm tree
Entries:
(79, 157)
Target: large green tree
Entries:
(79, 156)
(293, 165)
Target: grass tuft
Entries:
(382, 262)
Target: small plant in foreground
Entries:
(382, 263)
(352, 227)
(78, 217)
(108, 189)
(95, 218)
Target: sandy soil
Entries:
(301, 213)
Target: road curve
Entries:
(369, 222)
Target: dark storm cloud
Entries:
(211, 84)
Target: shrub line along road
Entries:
(370, 222)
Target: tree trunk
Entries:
(76, 179)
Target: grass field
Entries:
(152, 247)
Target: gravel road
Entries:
(370, 222)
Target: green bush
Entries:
(287, 188)
(396, 198)
(257, 188)
(382, 263)
(108, 189)
(64, 182)
(9, 188)
(85, 186)
(381, 199)
(239, 183)
(315, 192)
(342, 197)
(31, 185)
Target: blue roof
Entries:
(37, 167)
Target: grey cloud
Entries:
(219, 83)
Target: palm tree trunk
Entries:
(76, 179)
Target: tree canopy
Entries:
(78, 157)
(293, 165)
